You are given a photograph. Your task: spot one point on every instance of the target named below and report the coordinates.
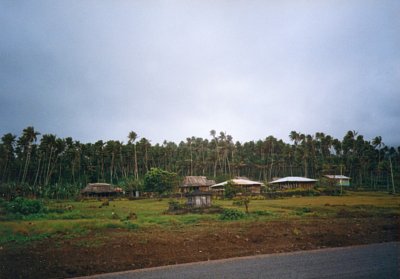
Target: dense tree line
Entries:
(45, 165)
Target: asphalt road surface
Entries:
(367, 261)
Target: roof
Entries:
(98, 188)
(236, 181)
(293, 179)
(337, 177)
(191, 181)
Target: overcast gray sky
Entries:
(173, 69)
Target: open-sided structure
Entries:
(247, 185)
(292, 182)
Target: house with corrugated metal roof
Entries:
(247, 185)
(339, 180)
(292, 182)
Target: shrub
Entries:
(230, 190)
(232, 214)
(331, 191)
(257, 197)
(131, 226)
(159, 181)
(25, 206)
(3, 205)
(242, 201)
(302, 211)
(114, 226)
(131, 216)
(2, 202)
(174, 205)
(263, 213)
(294, 192)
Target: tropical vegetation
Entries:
(44, 165)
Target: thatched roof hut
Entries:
(99, 189)
(193, 183)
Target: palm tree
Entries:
(189, 143)
(145, 144)
(377, 143)
(390, 153)
(48, 143)
(28, 137)
(213, 134)
(8, 143)
(132, 138)
(295, 137)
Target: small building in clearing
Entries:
(100, 190)
(193, 183)
(199, 198)
(339, 180)
(292, 182)
(249, 186)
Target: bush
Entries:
(263, 213)
(230, 190)
(114, 226)
(293, 192)
(242, 201)
(302, 211)
(174, 205)
(159, 181)
(25, 206)
(130, 226)
(331, 192)
(232, 214)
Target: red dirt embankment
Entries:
(117, 250)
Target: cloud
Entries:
(96, 70)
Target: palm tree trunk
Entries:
(28, 158)
(37, 172)
(391, 173)
(5, 169)
(136, 165)
(48, 167)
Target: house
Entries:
(199, 198)
(193, 183)
(253, 187)
(339, 180)
(292, 182)
(100, 190)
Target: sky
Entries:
(168, 70)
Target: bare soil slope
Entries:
(117, 250)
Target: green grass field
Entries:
(87, 217)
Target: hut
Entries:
(338, 180)
(247, 185)
(100, 190)
(292, 182)
(199, 198)
(194, 183)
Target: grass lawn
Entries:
(90, 217)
